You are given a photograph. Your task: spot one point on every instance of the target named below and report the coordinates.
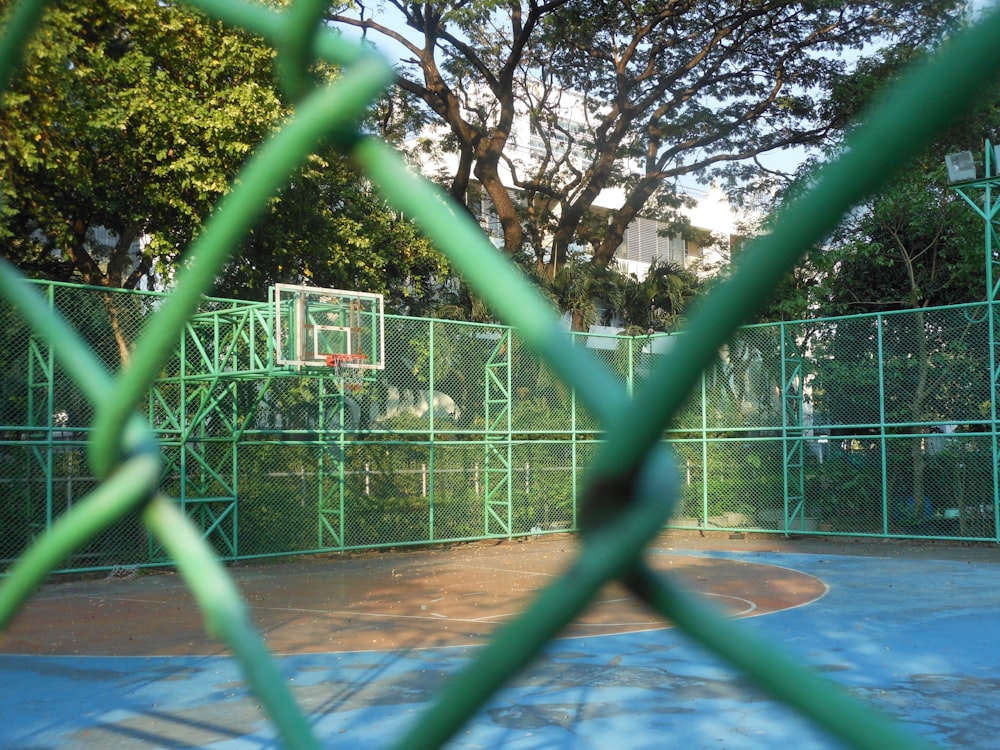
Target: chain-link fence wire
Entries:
(633, 482)
(234, 428)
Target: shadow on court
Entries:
(367, 639)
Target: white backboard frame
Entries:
(303, 314)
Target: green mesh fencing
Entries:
(818, 427)
(169, 484)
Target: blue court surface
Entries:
(915, 635)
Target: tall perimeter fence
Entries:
(184, 443)
(872, 425)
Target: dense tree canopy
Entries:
(129, 116)
(327, 229)
(625, 97)
(653, 304)
(913, 244)
(128, 121)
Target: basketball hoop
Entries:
(347, 368)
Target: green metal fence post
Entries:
(498, 465)
(703, 381)
(41, 403)
(793, 463)
(432, 387)
(330, 466)
(989, 186)
(574, 457)
(630, 373)
(44, 360)
(883, 443)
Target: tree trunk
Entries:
(91, 273)
(510, 218)
(124, 351)
(624, 216)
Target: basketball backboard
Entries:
(312, 323)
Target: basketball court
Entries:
(455, 596)
(366, 640)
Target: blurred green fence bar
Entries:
(504, 430)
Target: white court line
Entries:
(751, 605)
(100, 598)
(509, 571)
(373, 615)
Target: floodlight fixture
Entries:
(961, 167)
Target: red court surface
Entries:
(450, 596)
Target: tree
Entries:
(593, 294)
(126, 123)
(579, 288)
(327, 228)
(625, 97)
(912, 246)
(657, 302)
(922, 239)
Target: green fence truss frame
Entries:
(203, 405)
(199, 419)
(498, 462)
(983, 196)
(793, 430)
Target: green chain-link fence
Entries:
(821, 427)
(633, 480)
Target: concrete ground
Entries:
(365, 640)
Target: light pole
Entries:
(983, 196)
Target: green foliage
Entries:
(732, 81)
(326, 228)
(915, 244)
(592, 294)
(743, 477)
(657, 302)
(943, 384)
(128, 115)
(14, 336)
(279, 495)
(578, 288)
(128, 122)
